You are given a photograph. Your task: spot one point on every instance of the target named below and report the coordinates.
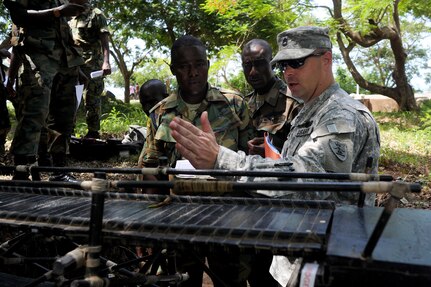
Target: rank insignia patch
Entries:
(339, 149)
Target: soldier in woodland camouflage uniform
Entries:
(227, 112)
(4, 113)
(50, 73)
(332, 132)
(272, 107)
(91, 33)
(150, 93)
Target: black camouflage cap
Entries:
(300, 42)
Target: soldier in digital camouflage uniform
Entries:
(44, 46)
(227, 112)
(91, 33)
(332, 132)
(271, 104)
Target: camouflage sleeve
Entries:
(333, 146)
(330, 147)
(150, 154)
(228, 159)
(246, 130)
(102, 23)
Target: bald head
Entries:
(258, 44)
(256, 57)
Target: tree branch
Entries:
(345, 51)
(365, 40)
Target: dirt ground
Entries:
(413, 174)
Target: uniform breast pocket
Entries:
(227, 137)
(297, 139)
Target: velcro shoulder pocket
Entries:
(333, 127)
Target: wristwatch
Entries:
(56, 12)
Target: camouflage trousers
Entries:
(4, 119)
(92, 99)
(47, 100)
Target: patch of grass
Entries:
(406, 141)
(115, 119)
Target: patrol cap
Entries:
(300, 42)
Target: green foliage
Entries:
(155, 68)
(5, 23)
(116, 118)
(152, 68)
(160, 22)
(359, 13)
(343, 77)
(425, 116)
(117, 121)
(247, 19)
(239, 83)
(377, 62)
(419, 9)
(233, 22)
(406, 139)
(224, 68)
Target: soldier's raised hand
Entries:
(198, 146)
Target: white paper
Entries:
(79, 89)
(183, 164)
(96, 74)
(282, 269)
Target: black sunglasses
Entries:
(295, 63)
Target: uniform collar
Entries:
(271, 97)
(278, 88)
(213, 95)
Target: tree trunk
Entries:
(402, 93)
(126, 89)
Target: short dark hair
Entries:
(185, 41)
(151, 84)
